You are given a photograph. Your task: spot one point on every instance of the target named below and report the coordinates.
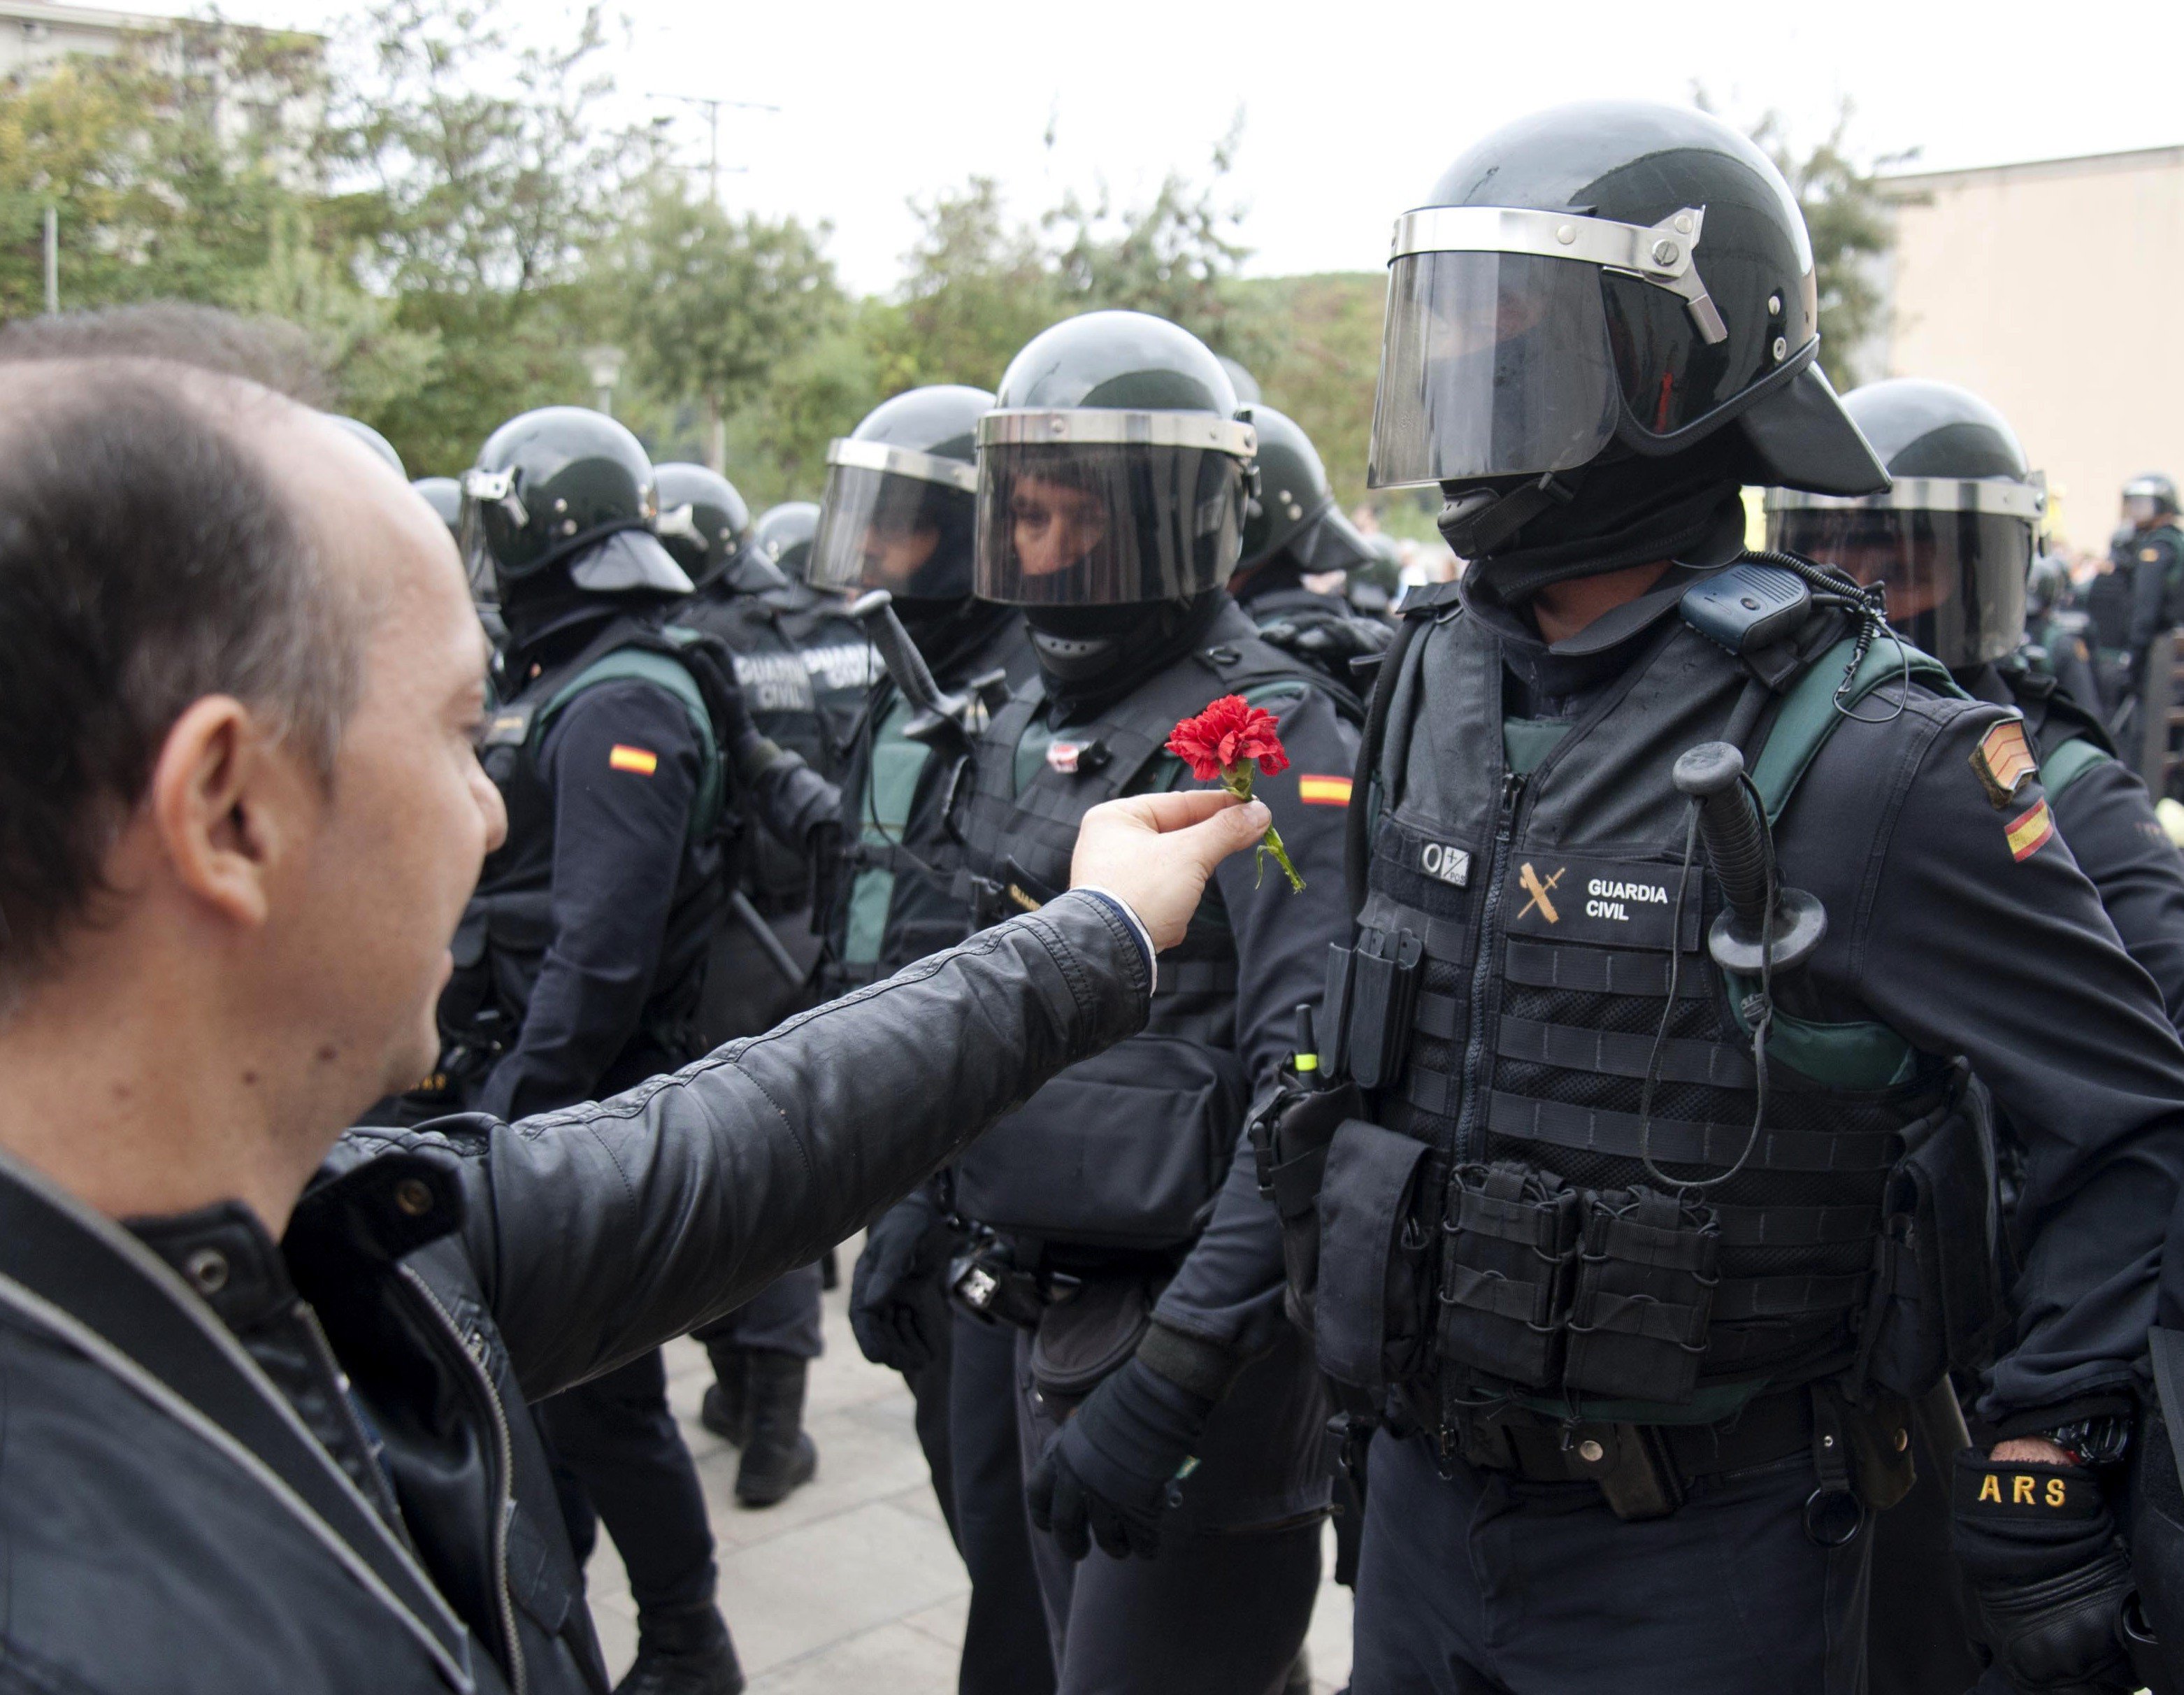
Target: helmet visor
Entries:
(1491, 364)
(1085, 522)
(905, 531)
(1955, 578)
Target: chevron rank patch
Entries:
(2004, 762)
(1322, 791)
(621, 756)
(2028, 833)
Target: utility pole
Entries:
(53, 261)
(712, 108)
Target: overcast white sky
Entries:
(1351, 110)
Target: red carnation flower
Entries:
(1226, 734)
(1222, 742)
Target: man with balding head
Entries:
(256, 1377)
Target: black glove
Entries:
(2039, 1545)
(895, 1302)
(1111, 1468)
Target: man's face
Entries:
(1052, 525)
(412, 815)
(894, 554)
(2141, 511)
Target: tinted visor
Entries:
(1955, 579)
(884, 529)
(1491, 364)
(1105, 523)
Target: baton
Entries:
(768, 943)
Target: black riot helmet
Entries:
(703, 521)
(1113, 470)
(1952, 540)
(901, 501)
(1296, 512)
(2149, 501)
(566, 496)
(372, 439)
(782, 536)
(1246, 385)
(1602, 318)
(444, 496)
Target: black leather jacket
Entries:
(227, 1466)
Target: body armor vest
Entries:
(805, 668)
(500, 944)
(1530, 919)
(1127, 1149)
(901, 856)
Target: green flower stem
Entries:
(1237, 780)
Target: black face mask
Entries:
(1610, 514)
(944, 631)
(1091, 656)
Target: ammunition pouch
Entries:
(1509, 1259)
(1645, 1292)
(1291, 1129)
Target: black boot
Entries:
(779, 1456)
(726, 1409)
(686, 1651)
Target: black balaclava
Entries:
(1091, 656)
(1604, 516)
(946, 632)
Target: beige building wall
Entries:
(2056, 291)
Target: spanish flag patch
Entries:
(621, 756)
(2028, 833)
(1323, 791)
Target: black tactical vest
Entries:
(804, 667)
(501, 943)
(1127, 1149)
(1529, 919)
(898, 898)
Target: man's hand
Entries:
(1106, 1474)
(1156, 851)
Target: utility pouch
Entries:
(1384, 993)
(1334, 1012)
(1511, 1248)
(1290, 1132)
(1937, 1296)
(1079, 1342)
(1637, 1475)
(1881, 1467)
(1374, 1258)
(1645, 1291)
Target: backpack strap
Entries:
(665, 667)
(1814, 704)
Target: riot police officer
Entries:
(804, 666)
(578, 963)
(1952, 540)
(1684, 891)
(1299, 550)
(444, 496)
(783, 536)
(2150, 547)
(1167, 1409)
(897, 513)
(2056, 631)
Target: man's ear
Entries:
(225, 802)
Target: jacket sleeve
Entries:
(1977, 935)
(2107, 818)
(1223, 1308)
(601, 1231)
(624, 764)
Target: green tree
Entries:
(478, 174)
(979, 286)
(170, 163)
(713, 306)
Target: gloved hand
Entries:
(2039, 1545)
(896, 1303)
(1111, 1467)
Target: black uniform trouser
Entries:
(1920, 1634)
(1217, 1612)
(1480, 1584)
(617, 1437)
(782, 1318)
(1005, 1645)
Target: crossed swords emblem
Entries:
(1538, 890)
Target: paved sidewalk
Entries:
(852, 1585)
